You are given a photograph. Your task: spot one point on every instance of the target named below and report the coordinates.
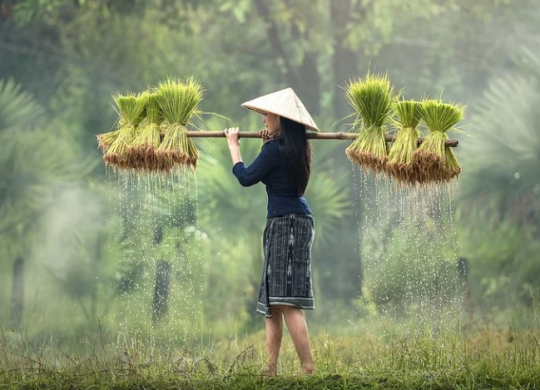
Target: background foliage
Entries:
(73, 242)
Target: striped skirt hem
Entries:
(301, 303)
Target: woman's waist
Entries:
(285, 196)
(279, 206)
(292, 217)
(287, 201)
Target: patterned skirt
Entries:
(286, 277)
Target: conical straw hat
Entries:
(284, 103)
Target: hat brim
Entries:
(284, 103)
(264, 112)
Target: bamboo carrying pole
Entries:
(339, 136)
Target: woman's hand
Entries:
(267, 136)
(232, 135)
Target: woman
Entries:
(284, 166)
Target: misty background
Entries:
(80, 247)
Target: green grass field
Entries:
(418, 360)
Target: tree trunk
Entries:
(96, 263)
(462, 268)
(160, 303)
(17, 292)
(6, 9)
(344, 65)
(309, 85)
(343, 60)
(304, 79)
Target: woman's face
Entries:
(272, 123)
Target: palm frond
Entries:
(18, 109)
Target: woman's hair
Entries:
(293, 142)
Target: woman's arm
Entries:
(258, 169)
(234, 146)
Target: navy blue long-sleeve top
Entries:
(271, 168)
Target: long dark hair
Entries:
(297, 150)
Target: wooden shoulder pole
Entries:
(339, 136)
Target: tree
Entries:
(34, 167)
(505, 130)
(501, 206)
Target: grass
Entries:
(422, 360)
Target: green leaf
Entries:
(18, 109)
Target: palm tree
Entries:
(502, 185)
(503, 156)
(34, 167)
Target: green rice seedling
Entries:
(399, 163)
(131, 109)
(372, 99)
(453, 169)
(142, 153)
(178, 102)
(105, 140)
(435, 161)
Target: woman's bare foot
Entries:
(307, 369)
(269, 370)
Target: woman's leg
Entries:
(274, 334)
(296, 323)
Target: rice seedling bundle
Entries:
(178, 102)
(142, 153)
(435, 161)
(131, 109)
(399, 163)
(372, 99)
(105, 140)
